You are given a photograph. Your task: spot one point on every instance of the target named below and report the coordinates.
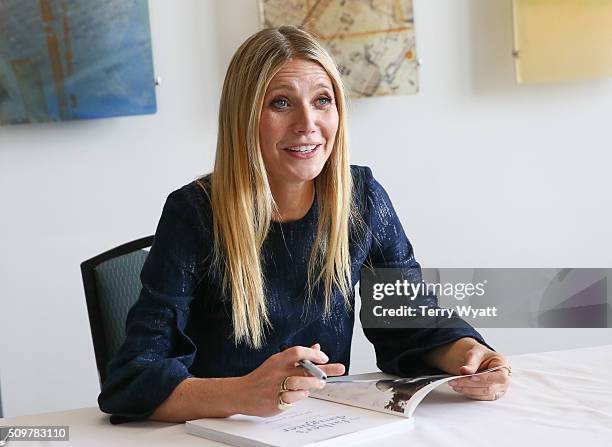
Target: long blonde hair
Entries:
(241, 199)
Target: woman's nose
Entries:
(305, 121)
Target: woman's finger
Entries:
(295, 383)
(331, 369)
(473, 359)
(488, 396)
(476, 391)
(290, 397)
(495, 377)
(466, 385)
(484, 393)
(297, 353)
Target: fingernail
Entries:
(323, 357)
(322, 383)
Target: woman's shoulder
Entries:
(184, 231)
(363, 179)
(360, 172)
(369, 195)
(197, 191)
(364, 183)
(360, 176)
(191, 202)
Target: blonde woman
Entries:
(253, 266)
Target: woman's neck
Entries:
(293, 200)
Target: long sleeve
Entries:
(156, 354)
(401, 351)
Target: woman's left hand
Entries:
(488, 386)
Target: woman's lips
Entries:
(304, 155)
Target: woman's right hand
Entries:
(260, 390)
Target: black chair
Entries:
(112, 285)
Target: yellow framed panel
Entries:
(557, 40)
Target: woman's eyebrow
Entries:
(324, 85)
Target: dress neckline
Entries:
(304, 218)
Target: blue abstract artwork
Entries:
(74, 59)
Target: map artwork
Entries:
(372, 41)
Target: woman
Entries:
(253, 267)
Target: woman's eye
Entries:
(324, 101)
(280, 103)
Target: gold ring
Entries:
(282, 405)
(509, 368)
(284, 385)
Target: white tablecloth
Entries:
(561, 398)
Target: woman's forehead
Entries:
(300, 73)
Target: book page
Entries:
(384, 392)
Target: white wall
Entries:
(484, 173)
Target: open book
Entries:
(349, 408)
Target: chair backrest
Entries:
(112, 285)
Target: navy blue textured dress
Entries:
(181, 325)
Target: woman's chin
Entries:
(306, 175)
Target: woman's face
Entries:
(298, 122)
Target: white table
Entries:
(561, 398)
